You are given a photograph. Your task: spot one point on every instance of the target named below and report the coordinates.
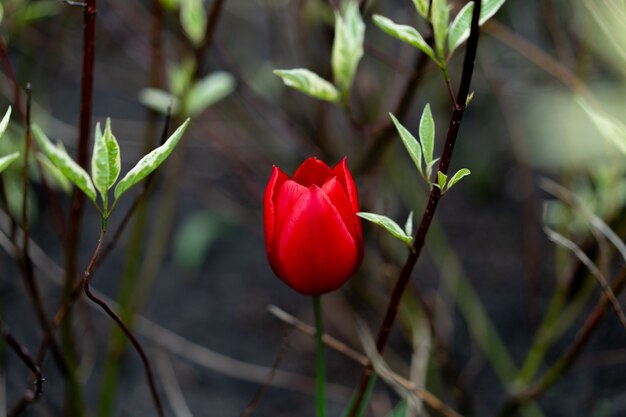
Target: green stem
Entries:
(319, 356)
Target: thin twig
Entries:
(307, 329)
(435, 194)
(173, 392)
(396, 380)
(144, 358)
(254, 402)
(24, 356)
(567, 358)
(209, 33)
(595, 271)
(184, 348)
(383, 138)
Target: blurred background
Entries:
(548, 103)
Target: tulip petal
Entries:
(344, 176)
(312, 171)
(285, 198)
(269, 212)
(316, 252)
(339, 198)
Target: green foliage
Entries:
(208, 91)
(427, 135)
(105, 162)
(6, 160)
(195, 238)
(150, 162)
(347, 46)
(460, 27)
(159, 100)
(309, 83)
(59, 157)
(193, 19)
(5, 121)
(440, 15)
(389, 225)
(406, 34)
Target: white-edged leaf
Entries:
(441, 180)
(460, 27)
(53, 173)
(180, 75)
(388, 224)
(408, 226)
(410, 143)
(59, 157)
(5, 161)
(105, 161)
(429, 167)
(193, 20)
(150, 162)
(427, 134)
(5, 121)
(158, 100)
(406, 34)
(208, 91)
(309, 83)
(612, 129)
(422, 7)
(463, 172)
(347, 45)
(439, 17)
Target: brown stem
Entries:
(23, 354)
(459, 106)
(19, 105)
(144, 358)
(200, 52)
(72, 238)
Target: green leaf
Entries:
(347, 45)
(427, 134)
(208, 91)
(158, 100)
(5, 161)
(422, 7)
(463, 172)
(410, 143)
(408, 226)
(150, 162)
(170, 5)
(460, 27)
(429, 168)
(5, 121)
(388, 224)
(440, 15)
(613, 130)
(193, 20)
(309, 83)
(441, 180)
(180, 76)
(105, 161)
(53, 173)
(195, 238)
(59, 157)
(406, 34)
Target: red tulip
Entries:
(313, 236)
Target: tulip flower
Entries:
(313, 236)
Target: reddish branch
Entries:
(459, 106)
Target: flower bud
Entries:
(313, 236)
